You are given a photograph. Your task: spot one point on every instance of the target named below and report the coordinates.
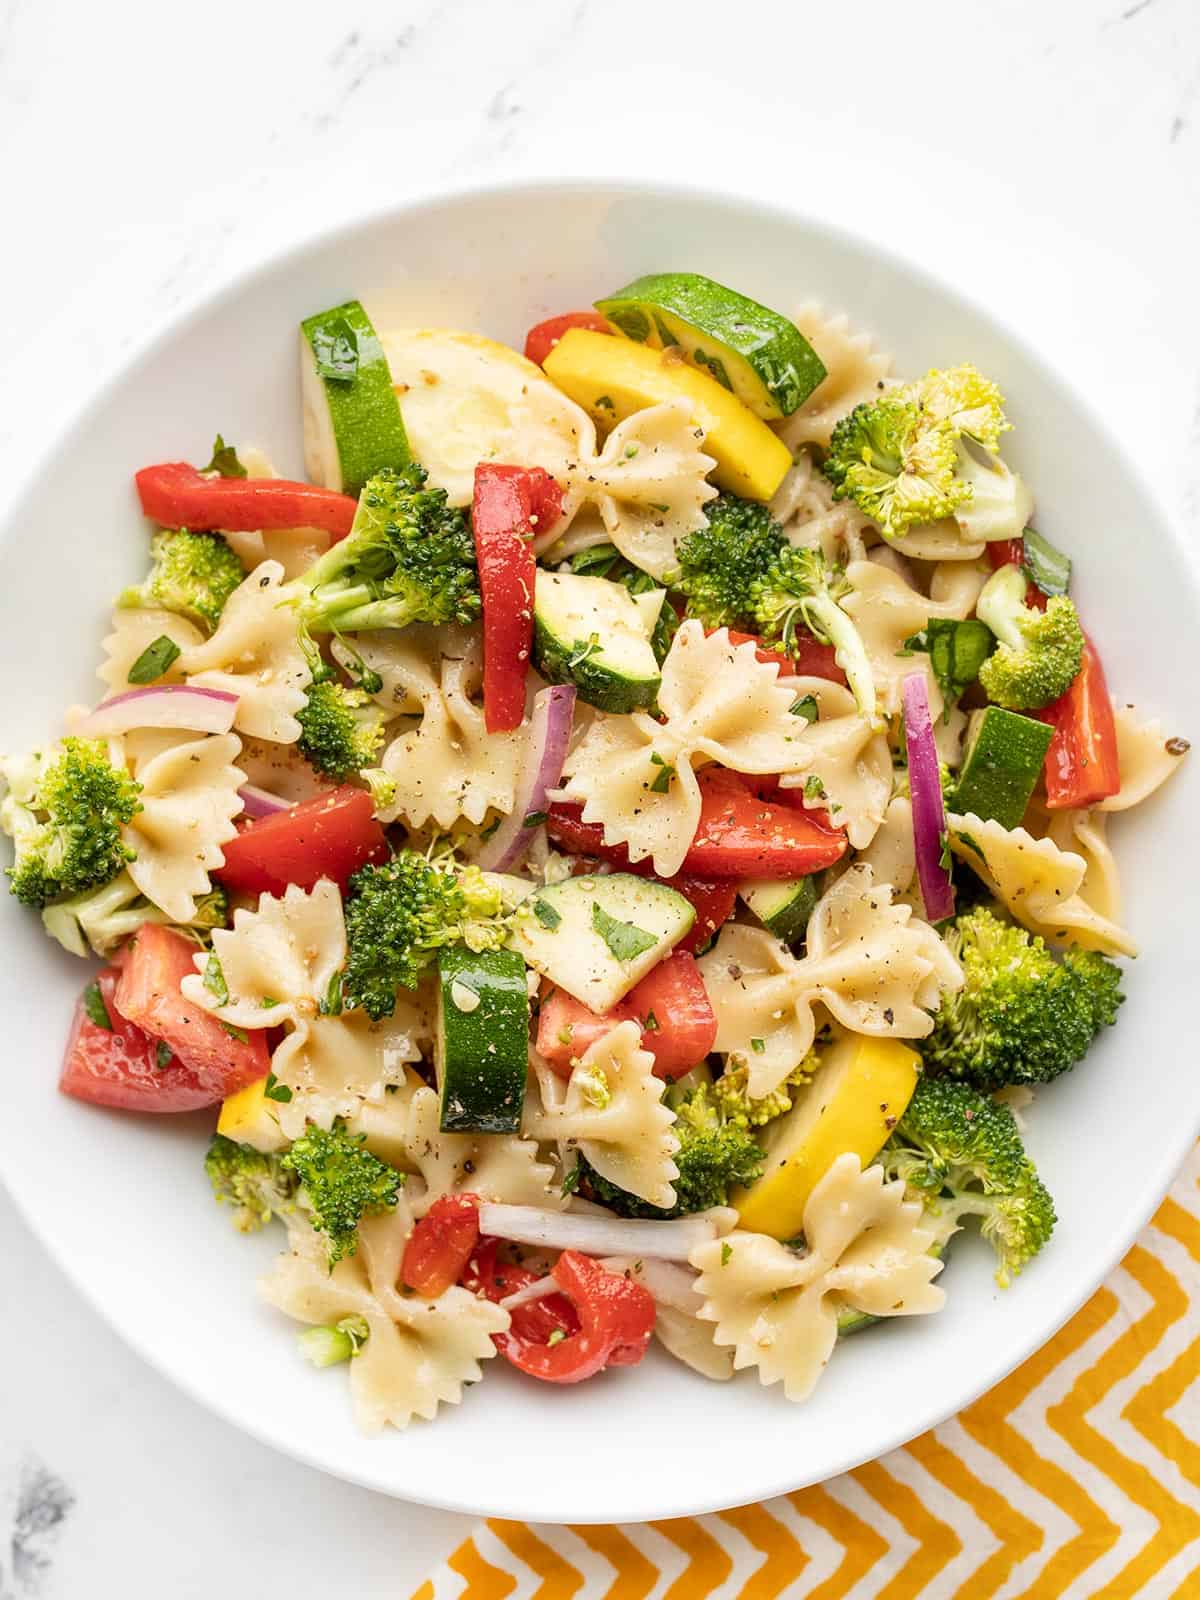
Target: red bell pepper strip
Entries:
(739, 835)
(536, 1321)
(809, 658)
(330, 836)
(510, 505)
(542, 338)
(178, 496)
(616, 1319)
(441, 1244)
(670, 1005)
(1081, 763)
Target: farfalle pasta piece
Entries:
(1038, 883)
(612, 1110)
(448, 766)
(1085, 833)
(401, 657)
(892, 855)
(811, 518)
(874, 966)
(778, 1310)
(887, 611)
(133, 631)
(1146, 757)
(938, 541)
(649, 483)
(493, 1166)
(189, 800)
(418, 1354)
(854, 372)
(281, 770)
(955, 586)
(256, 654)
(720, 703)
(848, 759)
(277, 969)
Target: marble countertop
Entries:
(1046, 158)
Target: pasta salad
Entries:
(617, 847)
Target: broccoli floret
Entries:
(341, 1183)
(962, 1153)
(399, 914)
(801, 587)
(341, 729)
(714, 1156)
(927, 450)
(104, 918)
(720, 565)
(257, 1186)
(64, 810)
(1039, 653)
(193, 573)
(1022, 1016)
(409, 557)
(732, 1096)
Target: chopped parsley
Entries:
(335, 350)
(93, 1004)
(814, 789)
(726, 1253)
(163, 1055)
(806, 707)
(274, 1090)
(214, 981)
(549, 916)
(331, 1002)
(225, 462)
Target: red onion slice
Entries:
(928, 806)
(546, 742)
(165, 705)
(260, 802)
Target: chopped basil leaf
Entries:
(163, 1055)
(268, 1001)
(662, 778)
(658, 505)
(946, 858)
(1047, 568)
(965, 838)
(806, 707)
(651, 1023)
(239, 1034)
(758, 1046)
(214, 981)
(93, 1004)
(956, 652)
(814, 789)
(548, 915)
(535, 819)
(571, 1182)
(726, 1253)
(225, 461)
(331, 1004)
(154, 660)
(335, 350)
(605, 401)
(625, 939)
(274, 1090)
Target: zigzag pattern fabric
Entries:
(1076, 1478)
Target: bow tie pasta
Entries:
(612, 1110)
(448, 766)
(1146, 757)
(719, 703)
(133, 630)
(495, 1168)
(778, 1311)
(256, 654)
(418, 1354)
(848, 766)
(855, 372)
(872, 964)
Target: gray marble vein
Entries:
(42, 1504)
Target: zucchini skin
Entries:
(599, 686)
(484, 1052)
(364, 413)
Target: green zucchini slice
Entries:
(482, 1042)
(352, 421)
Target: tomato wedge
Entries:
(330, 836)
(809, 658)
(440, 1245)
(670, 1005)
(152, 965)
(534, 1322)
(123, 1067)
(1081, 764)
(176, 495)
(739, 834)
(542, 338)
(510, 505)
(616, 1319)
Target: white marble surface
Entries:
(1045, 156)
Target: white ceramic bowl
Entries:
(122, 1202)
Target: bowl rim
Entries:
(170, 325)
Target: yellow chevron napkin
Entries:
(1076, 1478)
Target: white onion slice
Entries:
(605, 1236)
(669, 1283)
(164, 705)
(546, 741)
(258, 802)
